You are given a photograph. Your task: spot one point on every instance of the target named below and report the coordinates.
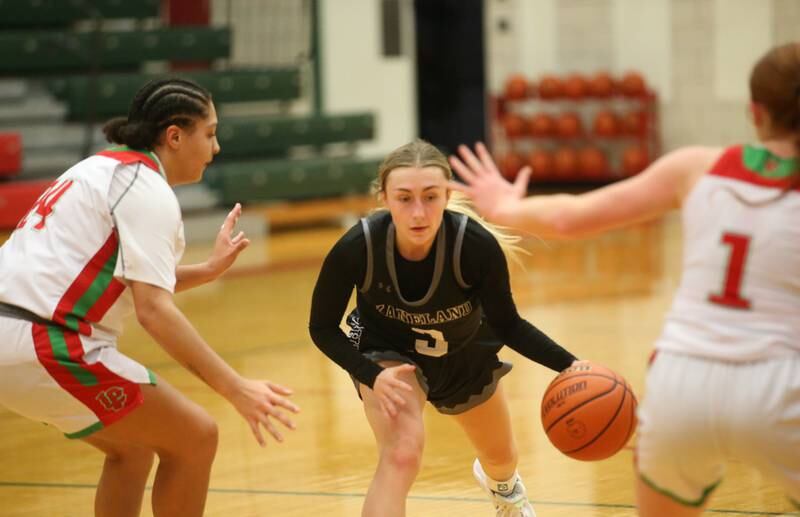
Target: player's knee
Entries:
(197, 442)
(405, 454)
(206, 437)
(135, 460)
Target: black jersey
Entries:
(443, 319)
(456, 298)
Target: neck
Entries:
(411, 251)
(785, 148)
(167, 163)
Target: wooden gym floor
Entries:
(604, 299)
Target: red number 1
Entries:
(44, 205)
(731, 295)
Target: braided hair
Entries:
(157, 105)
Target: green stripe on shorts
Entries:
(61, 354)
(85, 432)
(680, 500)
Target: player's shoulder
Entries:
(477, 240)
(352, 244)
(476, 233)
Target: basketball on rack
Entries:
(516, 87)
(632, 85)
(576, 87)
(542, 125)
(541, 164)
(601, 85)
(551, 87)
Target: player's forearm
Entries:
(170, 328)
(547, 216)
(193, 275)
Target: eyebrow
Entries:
(426, 188)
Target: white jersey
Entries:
(108, 219)
(739, 295)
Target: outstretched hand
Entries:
(483, 182)
(387, 388)
(226, 246)
(261, 402)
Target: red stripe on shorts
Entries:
(110, 398)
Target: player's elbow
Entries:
(565, 223)
(147, 314)
(152, 306)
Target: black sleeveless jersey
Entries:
(457, 297)
(444, 320)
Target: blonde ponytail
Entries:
(509, 242)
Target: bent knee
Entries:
(133, 459)
(405, 454)
(197, 440)
(204, 436)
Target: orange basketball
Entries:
(510, 164)
(550, 87)
(541, 163)
(514, 125)
(634, 160)
(576, 86)
(601, 85)
(632, 84)
(542, 125)
(606, 123)
(516, 87)
(566, 163)
(589, 412)
(592, 163)
(569, 125)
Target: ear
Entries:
(172, 137)
(758, 114)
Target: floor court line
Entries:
(481, 500)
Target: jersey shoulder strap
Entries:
(126, 156)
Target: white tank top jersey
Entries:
(739, 295)
(109, 219)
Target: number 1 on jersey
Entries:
(731, 295)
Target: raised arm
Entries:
(656, 190)
(226, 249)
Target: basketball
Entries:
(516, 87)
(589, 412)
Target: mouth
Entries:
(418, 229)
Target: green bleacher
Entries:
(33, 13)
(96, 74)
(245, 138)
(27, 52)
(271, 180)
(113, 93)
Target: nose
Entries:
(418, 210)
(216, 149)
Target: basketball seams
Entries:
(610, 421)
(558, 381)
(599, 395)
(579, 419)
